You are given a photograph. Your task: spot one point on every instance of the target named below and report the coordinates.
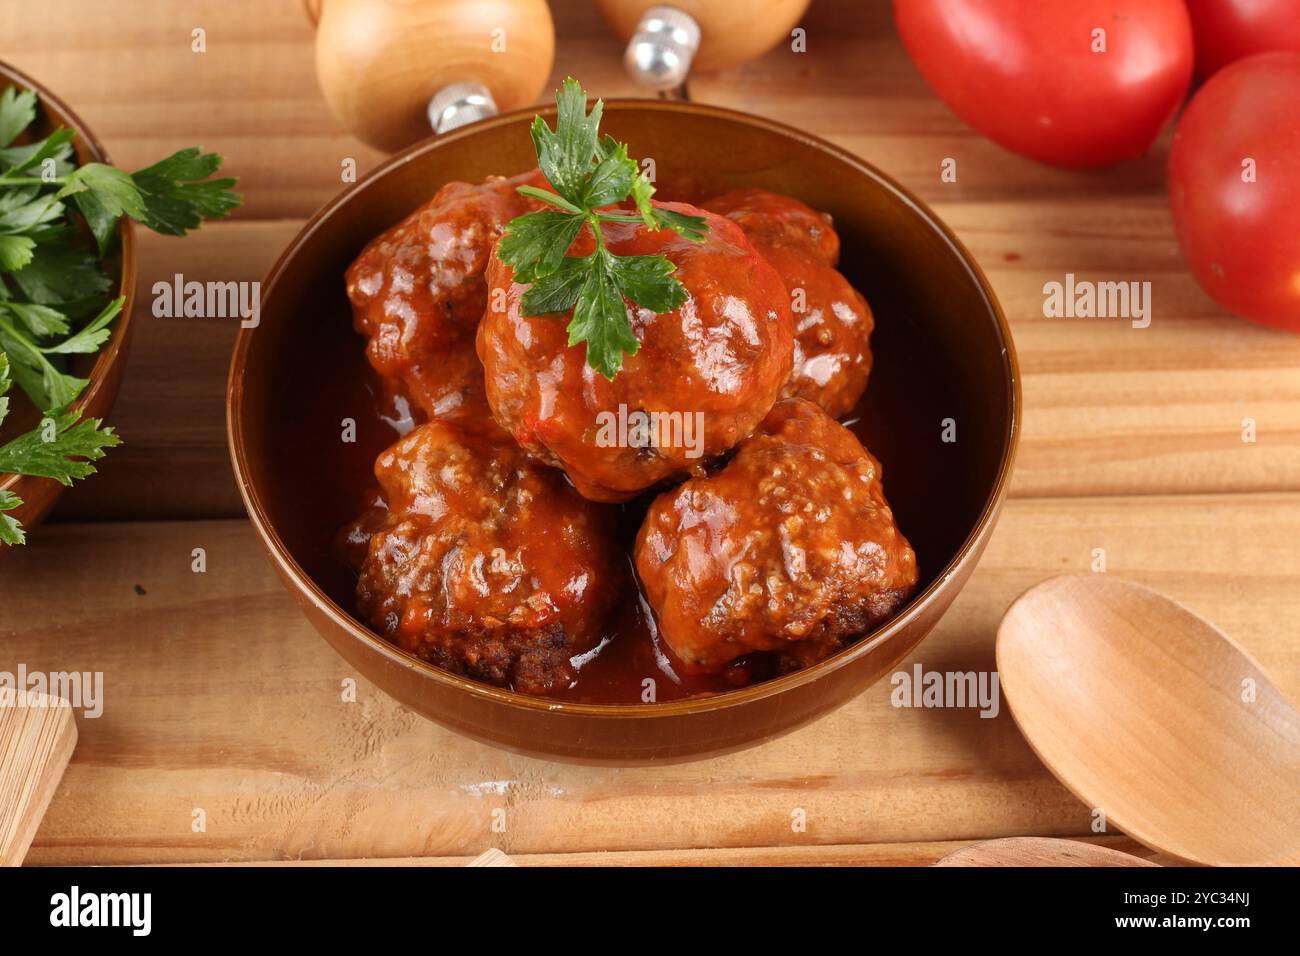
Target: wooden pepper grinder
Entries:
(393, 70)
(666, 41)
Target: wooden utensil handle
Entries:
(380, 63)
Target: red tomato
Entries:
(1025, 74)
(1242, 237)
(1227, 30)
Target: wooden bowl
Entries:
(104, 368)
(942, 351)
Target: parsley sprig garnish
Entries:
(54, 293)
(590, 173)
(61, 447)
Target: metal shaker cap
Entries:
(660, 52)
(459, 104)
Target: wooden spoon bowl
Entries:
(1150, 713)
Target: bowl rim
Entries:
(113, 349)
(307, 588)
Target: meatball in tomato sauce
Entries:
(417, 292)
(485, 562)
(702, 378)
(832, 321)
(791, 548)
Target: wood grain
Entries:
(1039, 851)
(1146, 710)
(219, 697)
(865, 854)
(253, 96)
(1109, 409)
(37, 736)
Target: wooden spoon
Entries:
(1149, 712)
(1039, 851)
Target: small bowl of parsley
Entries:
(67, 279)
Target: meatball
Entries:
(832, 321)
(486, 563)
(417, 292)
(704, 375)
(790, 548)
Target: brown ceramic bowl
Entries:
(104, 368)
(942, 350)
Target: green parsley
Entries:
(54, 293)
(589, 173)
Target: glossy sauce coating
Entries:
(486, 562)
(832, 321)
(724, 354)
(418, 292)
(790, 548)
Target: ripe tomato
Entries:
(1227, 30)
(1234, 184)
(1025, 74)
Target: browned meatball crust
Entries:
(832, 321)
(718, 361)
(790, 548)
(417, 292)
(486, 563)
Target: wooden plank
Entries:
(870, 854)
(1092, 425)
(171, 412)
(219, 697)
(252, 96)
(1109, 409)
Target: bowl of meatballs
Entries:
(631, 473)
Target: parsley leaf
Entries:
(589, 174)
(92, 335)
(647, 281)
(115, 190)
(558, 292)
(11, 532)
(600, 317)
(539, 240)
(693, 228)
(59, 272)
(15, 251)
(178, 195)
(61, 448)
(39, 320)
(103, 194)
(57, 146)
(611, 180)
(17, 112)
(565, 154)
(53, 287)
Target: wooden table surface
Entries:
(220, 697)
